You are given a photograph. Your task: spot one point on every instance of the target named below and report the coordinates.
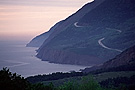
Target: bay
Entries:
(20, 59)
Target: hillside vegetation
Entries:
(12, 81)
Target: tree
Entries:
(12, 81)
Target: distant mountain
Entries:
(96, 33)
(123, 61)
(38, 40)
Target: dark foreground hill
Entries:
(122, 62)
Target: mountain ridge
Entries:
(107, 33)
(73, 18)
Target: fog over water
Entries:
(22, 60)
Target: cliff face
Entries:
(65, 57)
(96, 33)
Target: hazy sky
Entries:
(25, 19)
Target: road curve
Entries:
(115, 30)
(75, 24)
(101, 44)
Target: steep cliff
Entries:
(96, 33)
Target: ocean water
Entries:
(20, 59)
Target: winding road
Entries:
(115, 30)
(101, 44)
(100, 40)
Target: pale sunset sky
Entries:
(25, 19)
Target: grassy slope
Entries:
(125, 39)
(98, 77)
(106, 75)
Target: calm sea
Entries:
(22, 60)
